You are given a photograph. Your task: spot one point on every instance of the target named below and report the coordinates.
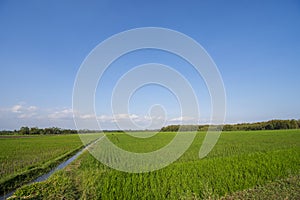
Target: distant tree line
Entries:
(115, 131)
(97, 131)
(268, 125)
(38, 131)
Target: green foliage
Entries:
(201, 179)
(38, 131)
(24, 131)
(288, 188)
(269, 125)
(24, 157)
(240, 160)
(175, 128)
(60, 186)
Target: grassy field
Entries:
(240, 161)
(287, 188)
(23, 157)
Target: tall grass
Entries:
(240, 160)
(22, 153)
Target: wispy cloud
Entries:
(23, 114)
(181, 119)
(16, 108)
(61, 114)
(21, 108)
(29, 115)
(117, 117)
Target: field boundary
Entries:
(14, 181)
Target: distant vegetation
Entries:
(269, 125)
(38, 131)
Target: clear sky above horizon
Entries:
(255, 45)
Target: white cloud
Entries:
(117, 117)
(182, 119)
(16, 108)
(22, 110)
(131, 121)
(26, 115)
(30, 115)
(61, 114)
(104, 118)
(32, 108)
(87, 116)
(138, 118)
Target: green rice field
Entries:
(19, 153)
(242, 163)
(23, 158)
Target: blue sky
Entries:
(255, 45)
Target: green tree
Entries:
(293, 124)
(24, 130)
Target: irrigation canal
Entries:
(48, 174)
